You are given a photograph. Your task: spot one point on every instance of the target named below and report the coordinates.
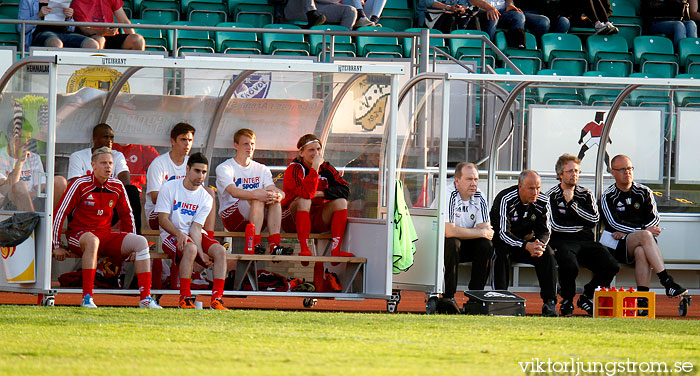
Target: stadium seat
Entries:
(407, 43)
(255, 12)
(190, 40)
(396, 15)
(343, 45)
(648, 96)
(154, 37)
(284, 44)
(234, 42)
(610, 53)
(564, 52)
(654, 54)
(528, 59)
(204, 13)
(160, 16)
(594, 96)
(9, 35)
(687, 98)
(626, 18)
(555, 94)
(374, 46)
(161, 5)
(470, 49)
(8, 10)
(689, 54)
(188, 5)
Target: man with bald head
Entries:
(632, 226)
(520, 216)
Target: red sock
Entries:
(88, 281)
(257, 239)
(144, 284)
(338, 224)
(273, 240)
(185, 291)
(218, 290)
(303, 219)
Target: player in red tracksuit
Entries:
(89, 202)
(315, 197)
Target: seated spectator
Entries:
(670, 17)
(318, 12)
(693, 12)
(499, 13)
(542, 16)
(592, 13)
(449, 15)
(50, 36)
(368, 12)
(106, 11)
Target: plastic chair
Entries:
(687, 98)
(655, 54)
(9, 35)
(343, 45)
(528, 59)
(648, 95)
(190, 40)
(209, 14)
(255, 12)
(610, 53)
(407, 43)
(8, 10)
(162, 7)
(564, 52)
(597, 96)
(689, 54)
(555, 94)
(284, 44)
(234, 42)
(372, 46)
(154, 37)
(471, 48)
(396, 15)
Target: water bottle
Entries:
(249, 235)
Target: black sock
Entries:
(663, 277)
(361, 13)
(642, 288)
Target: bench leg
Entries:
(243, 269)
(351, 271)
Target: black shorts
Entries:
(621, 254)
(115, 42)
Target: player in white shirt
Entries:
(468, 232)
(79, 164)
(183, 206)
(248, 195)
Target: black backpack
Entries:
(16, 229)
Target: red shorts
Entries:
(170, 247)
(235, 217)
(153, 221)
(110, 242)
(316, 214)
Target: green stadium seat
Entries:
(555, 95)
(396, 15)
(655, 54)
(255, 12)
(155, 41)
(169, 5)
(626, 18)
(528, 59)
(375, 46)
(284, 44)
(687, 98)
(689, 54)
(649, 95)
(209, 14)
(407, 43)
(160, 16)
(564, 52)
(188, 5)
(8, 10)
(610, 53)
(595, 96)
(343, 45)
(234, 42)
(9, 35)
(190, 40)
(470, 49)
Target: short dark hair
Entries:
(181, 128)
(197, 158)
(100, 127)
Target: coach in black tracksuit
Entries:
(520, 217)
(574, 217)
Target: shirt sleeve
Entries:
(654, 218)
(482, 214)
(165, 199)
(75, 166)
(116, 5)
(267, 177)
(224, 177)
(126, 214)
(68, 202)
(119, 164)
(203, 212)
(154, 177)
(25, 12)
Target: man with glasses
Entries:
(574, 217)
(632, 226)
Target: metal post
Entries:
(51, 172)
(391, 177)
(424, 50)
(442, 181)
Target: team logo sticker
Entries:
(257, 85)
(101, 78)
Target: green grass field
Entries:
(127, 341)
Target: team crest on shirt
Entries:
(472, 216)
(533, 217)
(636, 205)
(111, 203)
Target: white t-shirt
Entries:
(162, 169)
(79, 163)
(500, 5)
(254, 176)
(183, 205)
(32, 170)
(469, 213)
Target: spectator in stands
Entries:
(318, 12)
(520, 216)
(574, 217)
(315, 197)
(183, 206)
(468, 232)
(693, 11)
(543, 16)
(79, 164)
(106, 11)
(249, 198)
(448, 15)
(670, 17)
(50, 36)
(499, 13)
(591, 13)
(89, 203)
(368, 12)
(632, 226)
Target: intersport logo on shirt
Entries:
(248, 183)
(185, 208)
